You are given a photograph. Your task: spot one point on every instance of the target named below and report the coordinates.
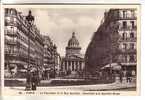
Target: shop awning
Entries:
(114, 66)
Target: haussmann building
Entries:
(18, 34)
(114, 42)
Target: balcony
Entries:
(23, 54)
(123, 62)
(10, 15)
(127, 39)
(127, 61)
(11, 53)
(127, 28)
(10, 23)
(10, 33)
(10, 42)
(133, 17)
(128, 51)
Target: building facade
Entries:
(73, 62)
(128, 38)
(114, 42)
(51, 58)
(47, 52)
(126, 21)
(19, 37)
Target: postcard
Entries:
(70, 49)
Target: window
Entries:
(125, 58)
(131, 45)
(124, 14)
(10, 30)
(131, 58)
(72, 65)
(15, 39)
(69, 63)
(124, 36)
(6, 11)
(11, 49)
(131, 35)
(13, 11)
(124, 24)
(125, 46)
(132, 24)
(132, 13)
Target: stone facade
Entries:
(17, 30)
(114, 41)
(51, 58)
(73, 62)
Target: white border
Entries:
(81, 6)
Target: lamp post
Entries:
(30, 20)
(54, 53)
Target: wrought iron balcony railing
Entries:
(128, 39)
(12, 42)
(127, 17)
(11, 52)
(10, 23)
(128, 51)
(128, 28)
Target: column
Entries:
(71, 65)
(75, 65)
(63, 65)
(80, 65)
(66, 65)
(83, 65)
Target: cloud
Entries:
(66, 23)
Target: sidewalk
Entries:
(97, 87)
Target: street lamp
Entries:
(54, 60)
(30, 20)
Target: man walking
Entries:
(34, 81)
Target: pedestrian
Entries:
(121, 75)
(34, 81)
(128, 75)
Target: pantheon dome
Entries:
(73, 42)
(73, 47)
(73, 62)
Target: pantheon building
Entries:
(73, 62)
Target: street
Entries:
(96, 87)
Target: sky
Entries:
(59, 23)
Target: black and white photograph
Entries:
(71, 48)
